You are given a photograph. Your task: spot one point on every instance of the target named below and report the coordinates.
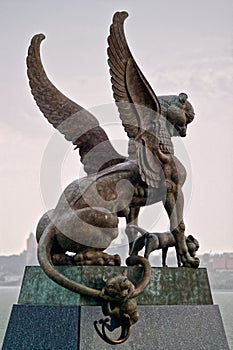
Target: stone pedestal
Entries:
(176, 312)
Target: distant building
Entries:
(31, 251)
(222, 262)
(229, 263)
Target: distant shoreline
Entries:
(11, 284)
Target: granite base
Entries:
(37, 327)
(176, 312)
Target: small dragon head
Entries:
(118, 287)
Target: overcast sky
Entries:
(179, 45)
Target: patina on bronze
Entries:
(85, 220)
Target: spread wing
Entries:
(73, 121)
(138, 106)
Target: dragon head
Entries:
(178, 112)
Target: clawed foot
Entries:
(188, 261)
(86, 258)
(97, 258)
(62, 259)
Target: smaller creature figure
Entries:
(120, 293)
(123, 307)
(160, 240)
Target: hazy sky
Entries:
(179, 45)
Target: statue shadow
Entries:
(110, 323)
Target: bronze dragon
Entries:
(85, 219)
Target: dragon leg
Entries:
(174, 205)
(132, 219)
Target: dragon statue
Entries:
(85, 219)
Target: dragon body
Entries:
(85, 219)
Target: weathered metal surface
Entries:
(37, 288)
(85, 219)
(168, 286)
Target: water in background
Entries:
(9, 296)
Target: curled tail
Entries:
(136, 260)
(44, 256)
(139, 242)
(139, 229)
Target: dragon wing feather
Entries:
(72, 120)
(137, 104)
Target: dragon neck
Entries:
(165, 142)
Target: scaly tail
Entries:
(44, 257)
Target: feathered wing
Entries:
(73, 121)
(138, 106)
